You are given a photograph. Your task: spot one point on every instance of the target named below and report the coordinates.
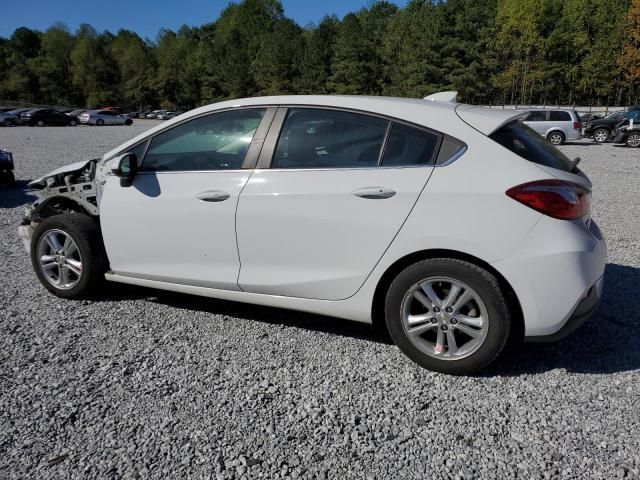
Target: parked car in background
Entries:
(77, 113)
(167, 115)
(154, 114)
(6, 109)
(104, 117)
(557, 126)
(18, 112)
(628, 133)
(8, 119)
(7, 177)
(47, 116)
(330, 204)
(589, 117)
(603, 129)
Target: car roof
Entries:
(441, 116)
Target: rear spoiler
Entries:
(487, 120)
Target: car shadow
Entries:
(608, 343)
(17, 195)
(582, 144)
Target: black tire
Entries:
(633, 140)
(99, 122)
(601, 135)
(556, 137)
(487, 288)
(40, 123)
(128, 121)
(72, 123)
(4, 123)
(85, 232)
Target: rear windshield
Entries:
(526, 143)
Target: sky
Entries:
(146, 17)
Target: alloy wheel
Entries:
(600, 136)
(555, 138)
(633, 140)
(444, 318)
(59, 259)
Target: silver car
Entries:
(104, 117)
(557, 125)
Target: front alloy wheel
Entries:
(556, 138)
(633, 140)
(601, 135)
(59, 259)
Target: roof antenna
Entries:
(449, 96)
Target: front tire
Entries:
(68, 256)
(601, 135)
(99, 122)
(556, 138)
(633, 140)
(72, 123)
(40, 123)
(448, 315)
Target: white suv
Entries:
(455, 226)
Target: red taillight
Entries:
(556, 198)
(577, 125)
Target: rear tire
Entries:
(601, 135)
(7, 179)
(633, 140)
(128, 122)
(556, 138)
(72, 123)
(40, 123)
(85, 254)
(99, 122)
(464, 340)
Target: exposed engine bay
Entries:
(65, 190)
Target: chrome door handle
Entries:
(374, 192)
(213, 196)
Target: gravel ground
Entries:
(154, 385)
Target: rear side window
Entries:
(540, 116)
(526, 143)
(318, 138)
(559, 116)
(408, 146)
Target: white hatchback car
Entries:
(455, 226)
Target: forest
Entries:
(492, 52)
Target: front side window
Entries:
(559, 116)
(213, 142)
(318, 138)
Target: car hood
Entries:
(71, 168)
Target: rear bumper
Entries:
(556, 273)
(574, 135)
(583, 312)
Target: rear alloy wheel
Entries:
(633, 140)
(556, 138)
(67, 255)
(601, 135)
(448, 315)
(99, 122)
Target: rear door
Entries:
(331, 191)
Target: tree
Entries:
(316, 56)
(629, 59)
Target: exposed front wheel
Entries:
(633, 140)
(601, 135)
(67, 255)
(448, 315)
(556, 138)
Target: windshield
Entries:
(526, 143)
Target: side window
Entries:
(318, 138)
(634, 115)
(559, 116)
(536, 116)
(214, 142)
(409, 146)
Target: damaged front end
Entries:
(73, 188)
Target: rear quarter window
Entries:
(526, 143)
(559, 116)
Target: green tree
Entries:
(316, 57)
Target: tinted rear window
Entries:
(526, 143)
(559, 116)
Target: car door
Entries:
(537, 119)
(176, 222)
(331, 191)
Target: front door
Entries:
(339, 187)
(176, 222)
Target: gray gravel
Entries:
(155, 385)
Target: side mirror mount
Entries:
(126, 168)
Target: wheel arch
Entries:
(556, 130)
(45, 208)
(377, 304)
